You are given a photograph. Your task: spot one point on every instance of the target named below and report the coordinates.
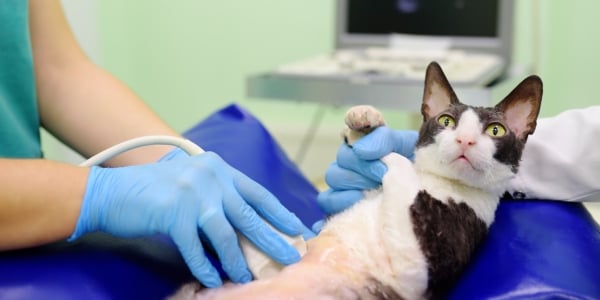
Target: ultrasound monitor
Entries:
(475, 25)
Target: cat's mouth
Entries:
(463, 159)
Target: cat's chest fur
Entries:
(420, 232)
(449, 192)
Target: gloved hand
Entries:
(183, 196)
(358, 168)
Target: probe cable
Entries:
(186, 145)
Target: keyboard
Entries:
(390, 65)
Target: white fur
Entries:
(483, 172)
(478, 182)
(400, 187)
(382, 218)
(381, 223)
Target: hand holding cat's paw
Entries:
(358, 168)
(347, 183)
(385, 140)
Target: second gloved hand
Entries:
(183, 197)
(358, 168)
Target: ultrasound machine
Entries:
(382, 47)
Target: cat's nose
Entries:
(465, 142)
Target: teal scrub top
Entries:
(19, 118)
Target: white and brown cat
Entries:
(412, 238)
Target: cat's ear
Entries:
(438, 94)
(522, 106)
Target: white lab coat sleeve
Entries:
(561, 160)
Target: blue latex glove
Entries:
(182, 197)
(358, 168)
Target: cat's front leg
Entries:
(401, 177)
(400, 188)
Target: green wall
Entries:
(570, 44)
(187, 58)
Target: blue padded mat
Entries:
(99, 266)
(535, 249)
(241, 140)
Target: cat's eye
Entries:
(495, 130)
(446, 121)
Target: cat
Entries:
(411, 238)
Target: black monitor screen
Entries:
(468, 18)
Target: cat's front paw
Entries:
(363, 118)
(360, 120)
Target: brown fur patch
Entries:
(448, 235)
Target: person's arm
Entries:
(43, 201)
(40, 201)
(81, 104)
(87, 109)
(561, 160)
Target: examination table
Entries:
(535, 249)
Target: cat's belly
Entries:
(350, 259)
(381, 238)
(327, 271)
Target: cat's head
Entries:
(478, 146)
